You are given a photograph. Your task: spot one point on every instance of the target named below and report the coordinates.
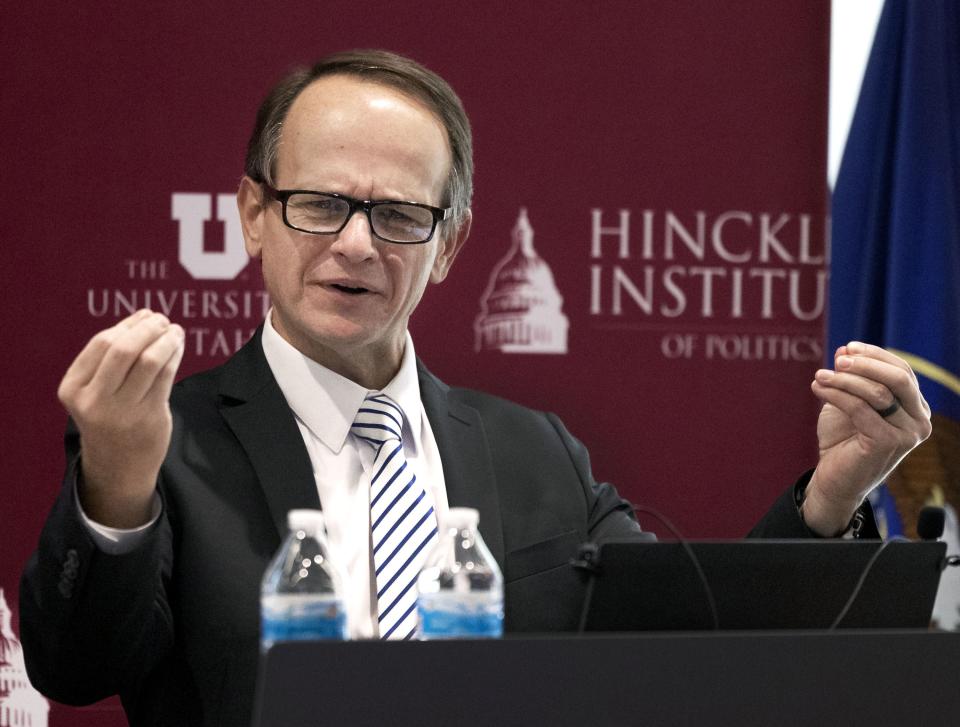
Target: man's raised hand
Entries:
(873, 416)
(117, 390)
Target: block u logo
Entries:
(192, 211)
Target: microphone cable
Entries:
(863, 579)
(708, 592)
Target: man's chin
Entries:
(344, 338)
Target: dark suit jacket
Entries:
(173, 626)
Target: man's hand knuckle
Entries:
(863, 406)
(902, 379)
(66, 393)
(104, 340)
(121, 351)
(151, 360)
(81, 404)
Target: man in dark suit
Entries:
(145, 582)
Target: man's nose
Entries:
(355, 241)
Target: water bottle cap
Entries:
(308, 520)
(462, 517)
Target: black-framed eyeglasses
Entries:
(327, 213)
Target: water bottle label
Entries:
(300, 617)
(443, 618)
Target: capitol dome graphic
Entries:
(20, 704)
(521, 310)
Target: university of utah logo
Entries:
(192, 211)
(521, 310)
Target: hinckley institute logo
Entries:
(20, 703)
(521, 310)
(732, 285)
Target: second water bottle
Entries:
(461, 587)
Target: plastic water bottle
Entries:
(461, 587)
(301, 593)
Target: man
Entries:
(356, 195)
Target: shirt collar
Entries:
(327, 402)
(404, 389)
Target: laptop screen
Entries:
(763, 584)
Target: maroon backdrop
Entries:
(704, 122)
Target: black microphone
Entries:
(930, 522)
(930, 525)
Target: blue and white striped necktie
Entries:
(403, 523)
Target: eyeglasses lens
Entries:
(396, 222)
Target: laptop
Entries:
(763, 584)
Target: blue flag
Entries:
(895, 276)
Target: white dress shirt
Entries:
(325, 404)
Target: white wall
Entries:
(852, 26)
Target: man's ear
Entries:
(251, 204)
(450, 245)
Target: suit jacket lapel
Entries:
(467, 468)
(255, 409)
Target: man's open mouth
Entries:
(350, 290)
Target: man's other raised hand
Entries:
(873, 416)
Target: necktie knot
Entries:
(378, 420)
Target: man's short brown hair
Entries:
(388, 69)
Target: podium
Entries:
(728, 678)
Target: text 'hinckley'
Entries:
(735, 265)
